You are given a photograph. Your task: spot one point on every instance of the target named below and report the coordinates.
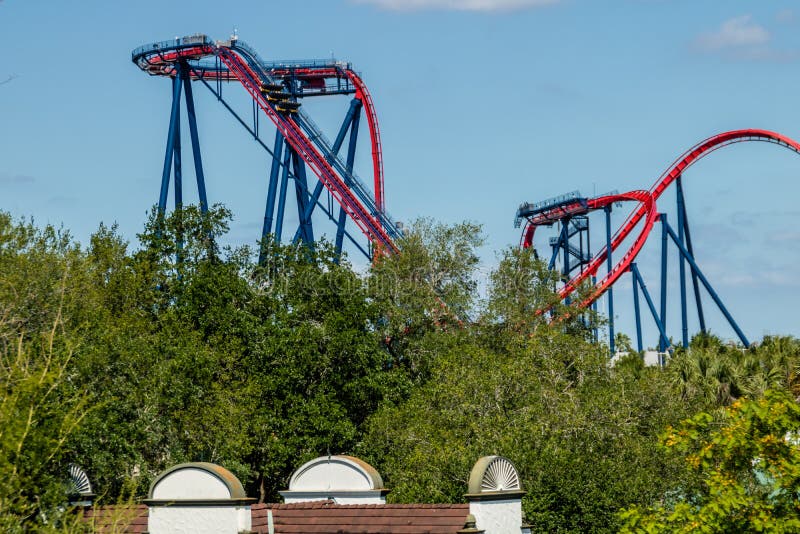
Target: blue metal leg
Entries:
(682, 266)
(177, 167)
(178, 176)
(287, 158)
(198, 160)
(610, 291)
(663, 218)
(565, 222)
(355, 107)
(662, 332)
(696, 286)
(301, 192)
(596, 331)
(173, 120)
(557, 247)
(637, 314)
(708, 287)
(272, 188)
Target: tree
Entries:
(39, 413)
(426, 293)
(745, 470)
(583, 433)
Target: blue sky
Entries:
(483, 104)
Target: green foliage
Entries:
(427, 293)
(133, 359)
(719, 374)
(745, 467)
(583, 433)
(39, 413)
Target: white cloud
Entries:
(736, 33)
(458, 5)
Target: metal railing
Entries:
(180, 42)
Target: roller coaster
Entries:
(570, 213)
(277, 90)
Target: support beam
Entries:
(565, 270)
(177, 170)
(610, 291)
(637, 314)
(662, 332)
(351, 158)
(301, 192)
(557, 247)
(664, 252)
(337, 145)
(178, 177)
(174, 118)
(682, 265)
(700, 316)
(198, 160)
(708, 287)
(272, 191)
(287, 158)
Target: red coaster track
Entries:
(646, 209)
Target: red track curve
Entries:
(647, 207)
(362, 93)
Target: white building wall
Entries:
(498, 517)
(198, 519)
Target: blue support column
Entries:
(565, 244)
(663, 340)
(588, 257)
(663, 218)
(596, 330)
(272, 188)
(178, 177)
(301, 193)
(177, 167)
(272, 191)
(610, 291)
(637, 314)
(682, 265)
(708, 287)
(337, 145)
(198, 160)
(355, 107)
(695, 284)
(174, 118)
(557, 247)
(287, 158)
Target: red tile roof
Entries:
(325, 517)
(118, 519)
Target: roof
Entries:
(325, 517)
(117, 518)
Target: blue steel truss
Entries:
(286, 165)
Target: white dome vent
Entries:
(500, 476)
(342, 479)
(494, 475)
